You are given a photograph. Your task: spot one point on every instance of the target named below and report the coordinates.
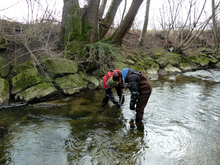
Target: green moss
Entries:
(25, 79)
(23, 66)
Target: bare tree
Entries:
(102, 9)
(184, 33)
(121, 31)
(109, 18)
(144, 30)
(214, 24)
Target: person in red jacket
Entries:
(112, 79)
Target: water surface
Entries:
(180, 127)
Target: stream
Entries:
(181, 126)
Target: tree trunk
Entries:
(214, 23)
(102, 8)
(124, 27)
(91, 20)
(71, 26)
(144, 30)
(106, 23)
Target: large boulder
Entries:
(4, 92)
(56, 66)
(93, 82)
(71, 84)
(25, 79)
(4, 67)
(37, 92)
(169, 69)
(172, 58)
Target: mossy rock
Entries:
(59, 66)
(173, 59)
(212, 59)
(4, 67)
(157, 55)
(23, 66)
(193, 58)
(129, 61)
(120, 65)
(217, 56)
(184, 59)
(1, 40)
(37, 92)
(71, 84)
(162, 61)
(171, 69)
(203, 61)
(217, 65)
(185, 67)
(193, 66)
(155, 66)
(25, 79)
(4, 92)
(132, 57)
(2, 47)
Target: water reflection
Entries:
(180, 126)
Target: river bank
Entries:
(46, 74)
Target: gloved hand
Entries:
(132, 106)
(118, 105)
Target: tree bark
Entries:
(102, 8)
(71, 25)
(106, 23)
(214, 23)
(144, 30)
(124, 27)
(91, 20)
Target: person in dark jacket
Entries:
(112, 79)
(140, 88)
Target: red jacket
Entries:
(108, 76)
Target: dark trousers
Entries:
(144, 89)
(106, 99)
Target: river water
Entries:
(181, 126)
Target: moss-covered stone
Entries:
(169, 69)
(212, 59)
(173, 59)
(203, 61)
(2, 47)
(71, 84)
(60, 66)
(129, 61)
(185, 66)
(4, 67)
(157, 55)
(93, 82)
(4, 92)
(193, 58)
(23, 66)
(162, 61)
(25, 79)
(193, 66)
(184, 60)
(98, 72)
(217, 56)
(38, 92)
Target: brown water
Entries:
(181, 126)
